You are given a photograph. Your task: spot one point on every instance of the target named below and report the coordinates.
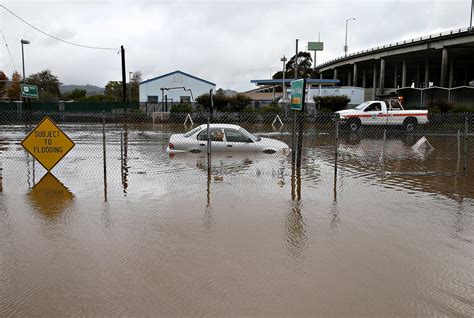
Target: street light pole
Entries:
(284, 59)
(345, 45)
(23, 56)
(470, 22)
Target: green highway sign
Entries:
(315, 46)
(297, 94)
(30, 91)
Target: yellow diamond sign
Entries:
(47, 143)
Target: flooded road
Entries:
(392, 235)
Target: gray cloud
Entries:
(227, 42)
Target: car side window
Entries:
(233, 135)
(216, 135)
(374, 107)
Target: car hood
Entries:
(276, 144)
(346, 111)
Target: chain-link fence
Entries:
(166, 151)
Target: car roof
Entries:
(221, 126)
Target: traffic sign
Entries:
(297, 94)
(315, 46)
(47, 143)
(30, 91)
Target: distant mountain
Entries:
(90, 89)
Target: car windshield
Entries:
(362, 106)
(251, 136)
(192, 132)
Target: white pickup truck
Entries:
(380, 113)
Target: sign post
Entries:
(298, 105)
(47, 143)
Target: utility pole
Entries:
(124, 80)
(130, 88)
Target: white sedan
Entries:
(224, 138)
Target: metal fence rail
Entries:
(114, 149)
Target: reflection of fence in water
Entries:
(130, 143)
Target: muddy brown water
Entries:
(391, 236)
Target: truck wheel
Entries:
(410, 124)
(354, 124)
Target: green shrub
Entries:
(181, 108)
(440, 106)
(249, 109)
(332, 103)
(271, 108)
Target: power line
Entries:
(59, 39)
(8, 50)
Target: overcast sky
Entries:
(223, 41)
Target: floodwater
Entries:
(392, 235)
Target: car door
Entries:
(217, 140)
(237, 141)
(375, 114)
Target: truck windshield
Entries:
(362, 106)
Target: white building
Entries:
(174, 87)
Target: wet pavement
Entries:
(392, 235)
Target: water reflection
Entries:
(50, 197)
(295, 231)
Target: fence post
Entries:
(336, 147)
(466, 130)
(459, 151)
(104, 156)
(336, 152)
(1, 177)
(383, 148)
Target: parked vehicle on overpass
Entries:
(377, 112)
(224, 138)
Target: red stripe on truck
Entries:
(384, 115)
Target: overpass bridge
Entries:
(436, 65)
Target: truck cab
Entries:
(382, 112)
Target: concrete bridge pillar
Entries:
(427, 73)
(382, 75)
(444, 68)
(374, 84)
(335, 73)
(364, 78)
(354, 79)
(451, 73)
(395, 77)
(404, 73)
(417, 84)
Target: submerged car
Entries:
(224, 138)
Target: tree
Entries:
(48, 84)
(13, 91)
(220, 101)
(3, 78)
(113, 91)
(135, 85)
(76, 94)
(304, 67)
(238, 102)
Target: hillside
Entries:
(90, 89)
